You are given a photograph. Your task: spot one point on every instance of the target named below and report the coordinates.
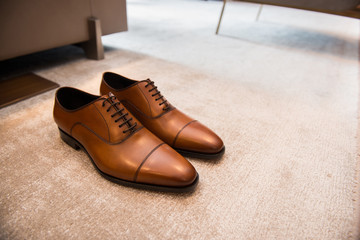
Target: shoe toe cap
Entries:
(198, 138)
(167, 168)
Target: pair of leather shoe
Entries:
(133, 135)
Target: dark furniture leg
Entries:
(94, 48)
(221, 15)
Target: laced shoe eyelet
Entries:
(157, 92)
(118, 111)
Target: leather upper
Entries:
(171, 125)
(134, 155)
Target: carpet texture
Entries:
(289, 171)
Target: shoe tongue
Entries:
(110, 94)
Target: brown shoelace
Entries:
(157, 93)
(119, 111)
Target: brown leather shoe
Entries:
(142, 98)
(121, 149)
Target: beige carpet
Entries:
(289, 171)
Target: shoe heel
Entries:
(69, 140)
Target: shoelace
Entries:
(157, 93)
(119, 111)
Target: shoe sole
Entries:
(72, 142)
(201, 155)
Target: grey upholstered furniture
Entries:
(347, 8)
(28, 26)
